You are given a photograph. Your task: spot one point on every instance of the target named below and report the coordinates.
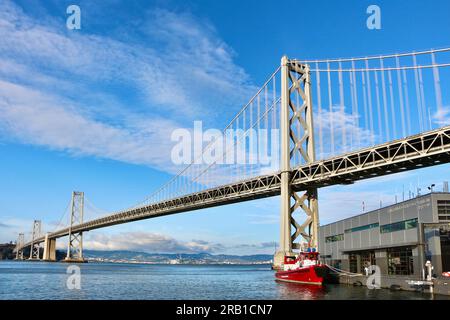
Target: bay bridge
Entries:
(337, 121)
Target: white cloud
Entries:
(337, 133)
(160, 243)
(146, 241)
(152, 242)
(12, 226)
(45, 120)
(56, 86)
(194, 61)
(181, 60)
(442, 117)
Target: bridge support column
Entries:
(75, 245)
(49, 249)
(297, 142)
(35, 249)
(19, 246)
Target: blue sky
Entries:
(93, 109)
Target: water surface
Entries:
(41, 280)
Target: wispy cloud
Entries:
(12, 226)
(194, 61)
(338, 132)
(442, 117)
(46, 120)
(95, 95)
(261, 245)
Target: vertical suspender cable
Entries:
(418, 97)
(355, 92)
(331, 109)
(391, 96)
(352, 95)
(408, 111)
(319, 106)
(369, 101)
(422, 100)
(437, 92)
(379, 116)
(342, 109)
(244, 145)
(366, 112)
(250, 138)
(258, 115)
(274, 114)
(383, 86)
(400, 96)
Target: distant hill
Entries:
(184, 258)
(6, 251)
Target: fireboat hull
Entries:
(307, 275)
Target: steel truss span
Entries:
(414, 152)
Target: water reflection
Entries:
(299, 291)
(294, 291)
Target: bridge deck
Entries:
(418, 151)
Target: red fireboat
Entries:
(303, 268)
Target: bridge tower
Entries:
(297, 139)
(35, 248)
(75, 245)
(19, 246)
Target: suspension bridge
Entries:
(324, 122)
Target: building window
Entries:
(353, 263)
(400, 261)
(397, 226)
(444, 210)
(444, 234)
(338, 237)
(367, 260)
(361, 228)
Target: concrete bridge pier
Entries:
(49, 249)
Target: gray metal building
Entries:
(399, 238)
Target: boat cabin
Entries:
(302, 256)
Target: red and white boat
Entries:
(303, 268)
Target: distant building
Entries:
(398, 238)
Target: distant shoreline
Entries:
(183, 263)
(137, 257)
(151, 263)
